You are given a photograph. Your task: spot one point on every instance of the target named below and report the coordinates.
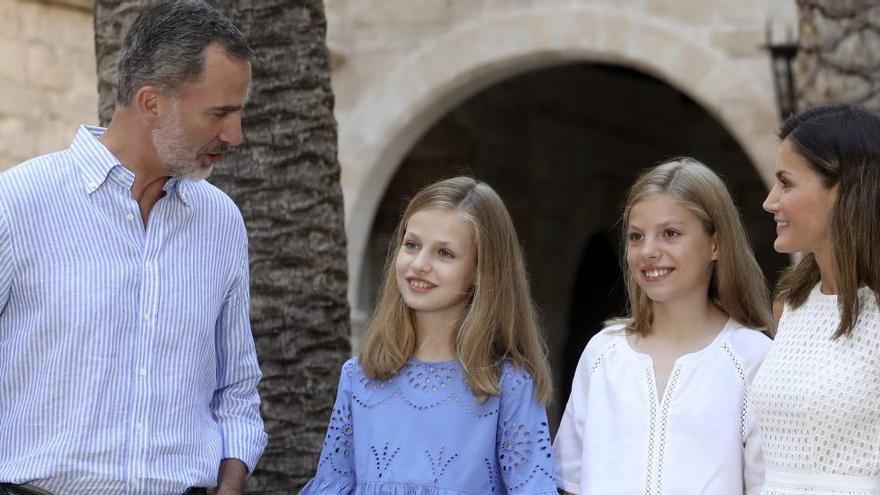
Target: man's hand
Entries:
(232, 477)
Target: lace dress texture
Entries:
(817, 401)
(422, 432)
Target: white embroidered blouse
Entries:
(617, 437)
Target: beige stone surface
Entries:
(47, 76)
(406, 63)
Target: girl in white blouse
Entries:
(659, 399)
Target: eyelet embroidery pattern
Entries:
(598, 361)
(371, 384)
(512, 380)
(664, 421)
(517, 444)
(652, 419)
(743, 413)
(427, 377)
(818, 399)
(528, 479)
(424, 386)
(339, 438)
(493, 476)
(440, 464)
(383, 459)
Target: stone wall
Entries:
(47, 76)
(840, 52)
(400, 66)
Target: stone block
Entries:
(694, 12)
(738, 11)
(739, 42)
(22, 101)
(617, 33)
(857, 51)
(15, 142)
(657, 45)
(45, 69)
(9, 21)
(53, 136)
(12, 60)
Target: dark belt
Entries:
(10, 489)
(196, 491)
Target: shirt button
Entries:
(130, 216)
(93, 185)
(149, 264)
(134, 482)
(142, 371)
(139, 426)
(146, 317)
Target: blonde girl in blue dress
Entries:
(448, 394)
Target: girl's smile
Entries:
(436, 263)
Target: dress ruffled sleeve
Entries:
(524, 453)
(336, 473)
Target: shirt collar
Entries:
(97, 162)
(181, 186)
(93, 158)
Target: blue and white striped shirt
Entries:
(127, 364)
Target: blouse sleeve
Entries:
(753, 457)
(568, 446)
(523, 446)
(336, 473)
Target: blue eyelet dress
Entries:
(422, 432)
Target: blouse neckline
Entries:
(646, 358)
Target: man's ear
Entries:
(149, 103)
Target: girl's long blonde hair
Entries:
(500, 322)
(738, 286)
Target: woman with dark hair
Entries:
(817, 395)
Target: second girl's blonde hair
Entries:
(500, 321)
(738, 286)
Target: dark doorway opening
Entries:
(561, 146)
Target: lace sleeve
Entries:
(336, 473)
(523, 446)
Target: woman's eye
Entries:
(671, 234)
(410, 245)
(446, 253)
(634, 237)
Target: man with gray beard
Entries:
(128, 364)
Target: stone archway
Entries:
(398, 109)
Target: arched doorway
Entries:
(561, 145)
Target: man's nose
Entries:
(231, 133)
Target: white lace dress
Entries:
(817, 402)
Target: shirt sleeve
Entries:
(568, 445)
(753, 456)
(236, 403)
(336, 473)
(7, 258)
(523, 445)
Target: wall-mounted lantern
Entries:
(782, 54)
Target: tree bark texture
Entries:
(839, 60)
(285, 179)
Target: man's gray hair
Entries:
(166, 45)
